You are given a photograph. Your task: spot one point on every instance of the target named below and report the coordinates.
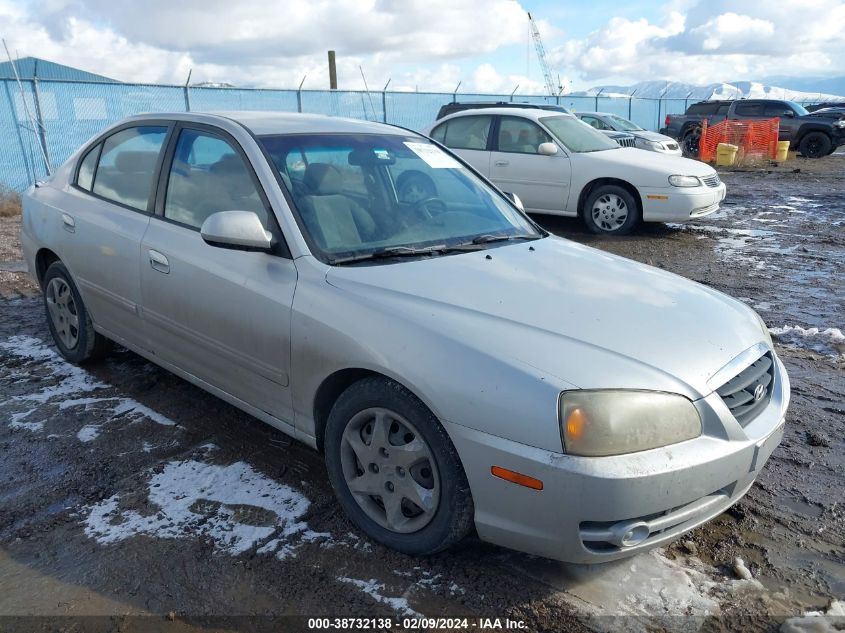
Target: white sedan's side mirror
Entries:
(236, 229)
(547, 149)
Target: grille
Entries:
(626, 141)
(748, 393)
(712, 181)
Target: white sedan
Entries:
(555, 164)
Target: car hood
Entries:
(591, 319)
(655, 162)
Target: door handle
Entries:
(68, 223)
(502, 163)
(159, 262)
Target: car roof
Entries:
(595, 114)
(527, 112)
(262, 123)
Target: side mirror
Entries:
(515, 199)
(789, 114)
(547, 149)
(236, 229)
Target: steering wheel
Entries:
(426, 205)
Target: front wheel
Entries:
(610, 210)
(815, 145)
(68, 319)
(394, 470)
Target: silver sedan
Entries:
(457, 366)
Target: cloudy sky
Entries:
(431, 44)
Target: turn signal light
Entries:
(516, 478)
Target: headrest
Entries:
(323, 179)
(227, 164)
(133, 162)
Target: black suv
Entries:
(813, 135)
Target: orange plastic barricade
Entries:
(756, 139)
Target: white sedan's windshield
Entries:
(576, 136)
(359, 194)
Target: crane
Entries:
(541, 55)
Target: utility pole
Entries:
(332, 71)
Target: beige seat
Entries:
(335, 221)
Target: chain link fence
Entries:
(43, 121)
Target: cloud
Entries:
(714, 40)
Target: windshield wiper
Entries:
(486, 239)
(390, 252)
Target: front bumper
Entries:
(588, 503)
(680, 204)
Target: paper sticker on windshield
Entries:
(433, 156)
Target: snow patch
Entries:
(817, 621)
(234, 505)
(375, 590)
(17, 421)
(829, 341)
(70, 392)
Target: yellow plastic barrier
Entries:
(783, 150)
(726, 154)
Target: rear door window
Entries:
(127, 165)
(87, 168)
(469, 132)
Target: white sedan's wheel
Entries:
(610, 210)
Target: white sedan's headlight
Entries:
(646, 144)
(613, 422)
(684, 181)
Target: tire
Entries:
(689, 142)
(815, 145)
(68, 319)
(413, 186)
(610, 210)
(413, 453)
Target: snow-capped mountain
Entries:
(736, 90)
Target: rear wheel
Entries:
(68, 320)
(815, 145)
(394, 469)
(610, 210)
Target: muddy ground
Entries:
(126, 491)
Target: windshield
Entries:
(576, 136)
(623, 124)
(798, 108)
(359, 194)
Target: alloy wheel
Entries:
(390, 470)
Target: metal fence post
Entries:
(299, 100)
(39, 122)
(187, 99)
(630, 102)
(384, 106)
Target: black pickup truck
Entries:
(813, 135)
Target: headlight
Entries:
(613, 422)
(645, 144)
(765, 328)
(684, 181)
